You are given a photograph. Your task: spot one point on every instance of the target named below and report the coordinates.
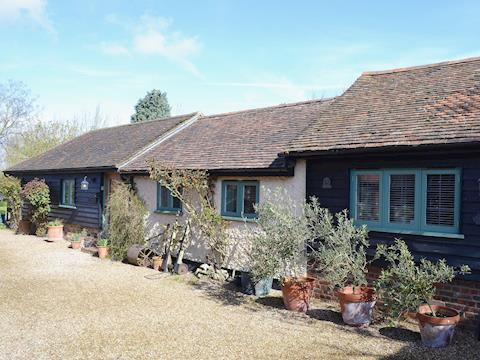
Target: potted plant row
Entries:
(338, 251)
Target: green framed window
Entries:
(166, 202)
(239, 198)
(68, 192)
(423, 201)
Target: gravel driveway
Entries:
(57, 303)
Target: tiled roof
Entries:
(424, 105)
(102, 148)
(249, 139)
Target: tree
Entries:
(153, 106)
(17, 108)
(43, 136)
(10, 189)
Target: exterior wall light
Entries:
(84, 184)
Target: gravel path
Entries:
(57, 303)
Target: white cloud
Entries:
(154, 36)
(33, 9)
(114, 49)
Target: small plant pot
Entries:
(297, 293)
(76, 245)
(157, 262)
(437, 331)
(55, 233)
(260, 288)
(356, 305)
(102, 251)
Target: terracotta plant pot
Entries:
(76, 245)
(437, 331)
(102, 251)
(55, 233)
(297, 293)
(356, 305)
(24, 227)
(157, 262)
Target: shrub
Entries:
(341, 251)
(194, 190)
(278, 247)
(126, 220)
(11, 188)
(55, 222)
(37, 193)
(404, 285)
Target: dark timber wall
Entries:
(455, 251)
(88, 203)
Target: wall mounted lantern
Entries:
(84, 184)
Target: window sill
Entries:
(421, 233)
(238, 219)
(168, 212)
(67, 207)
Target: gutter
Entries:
(160, 140)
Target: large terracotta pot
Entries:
(437, 331)
(55, 233)
(356, 305)
(297, 293)
(102, 251)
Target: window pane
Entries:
(249, 199)
(440, 199)
(402, 198)
(368, 197)
(231, 198)
(176, 203)
(164, 193)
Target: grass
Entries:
(3, 207)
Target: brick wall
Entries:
(461, 295)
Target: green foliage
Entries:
(102, 242)
(194, 190)
(78, 236)
(37, 193)
(341, 252)
(126, 215)
(55, 222)
(152, 107)
(11, 188)
(404, 285)
(279, 244)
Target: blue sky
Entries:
(216, 56)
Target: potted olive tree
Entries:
(340, 255)
(408, 287)
(55, 230)
(283, 248)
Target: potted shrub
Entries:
(55, 230)
(406, 287)
(283, 233)
(102, 246)
(77, 238)
(341, 257)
